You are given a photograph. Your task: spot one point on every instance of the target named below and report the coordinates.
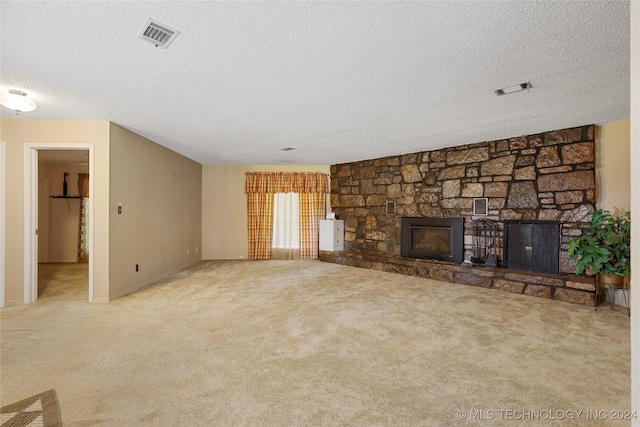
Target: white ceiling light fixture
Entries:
(158, 34)
(17, 101)
(515, 88)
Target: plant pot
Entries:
(610, 281)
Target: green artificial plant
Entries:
(605, 248)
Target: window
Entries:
(286, 221)
(283, 210)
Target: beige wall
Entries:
(64, 214)
(16, 133)
(613, 166)
(172, 204)
(224, 207)
(224, 210)
(160, 192)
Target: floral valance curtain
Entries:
(261, 187)
(286, 182)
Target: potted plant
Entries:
(604, 249)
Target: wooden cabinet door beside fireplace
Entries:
(532, 246)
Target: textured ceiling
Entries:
(338, 81)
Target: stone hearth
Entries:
(567, 288)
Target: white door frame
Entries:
(31, 214)
(3, 180)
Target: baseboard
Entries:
(13, 303)
(151, 281)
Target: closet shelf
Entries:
(65, 197)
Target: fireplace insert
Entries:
(433, 238)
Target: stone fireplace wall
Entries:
(547, 176)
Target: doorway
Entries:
(62, 270)
(57, 158)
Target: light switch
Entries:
(119, 208)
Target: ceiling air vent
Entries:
(512, 89)
(158, 34)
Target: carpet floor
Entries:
(307, 343)
(63, 281)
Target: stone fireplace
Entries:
(542, 177)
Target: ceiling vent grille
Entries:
(158, 34)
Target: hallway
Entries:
(63, 281)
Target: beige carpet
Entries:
(60, 280)
(306, 343)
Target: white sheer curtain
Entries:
(286, 226)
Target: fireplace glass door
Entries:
(433, 240)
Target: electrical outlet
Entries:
(196, 249)
(188, 251)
